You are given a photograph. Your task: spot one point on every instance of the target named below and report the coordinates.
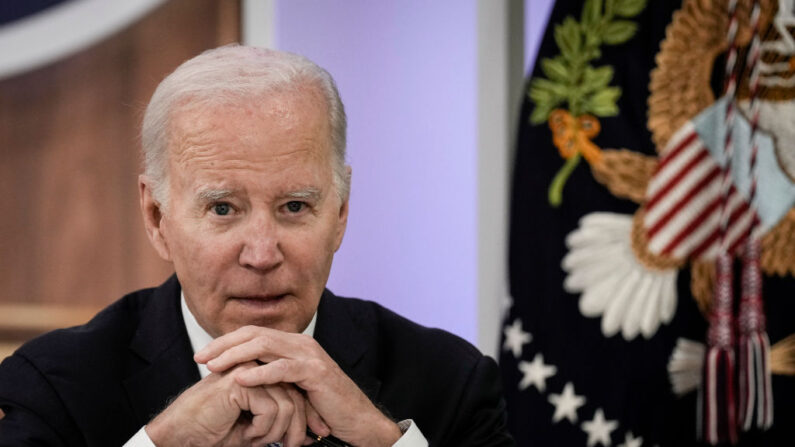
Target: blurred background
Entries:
(432, 92)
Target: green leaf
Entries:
(546, 95)
(603, 102)
(592, 53)
(556, 89)
(596, 78)
(592, 39)
(541, 113)
(609, 8)
(619, 31)
(591, 12)
(555, 69)
(567, 36)
(539, 96)
(629, 8)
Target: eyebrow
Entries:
(308, 193)
(212, 195)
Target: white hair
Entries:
(234, 74)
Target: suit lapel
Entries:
(161, 354)
(347, 338)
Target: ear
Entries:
(342, 218)
(153, 217)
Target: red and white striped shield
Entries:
(683, 198)
(682, 211)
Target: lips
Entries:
(259, 297)
(260, 302)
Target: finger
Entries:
(284, 414)
(224, 342)
(296, 431)
(277, 371)
(272, 342)
(254, 349)
(315, 422)
(264, 410)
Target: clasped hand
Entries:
(252, 397)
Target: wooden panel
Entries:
(19, 319)
(72, 233)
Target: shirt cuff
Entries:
(140, 439)
(412, 436)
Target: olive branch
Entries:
(570, 77)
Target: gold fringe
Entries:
(782, 357)
(702, 278)
(625, 173)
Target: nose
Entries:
(261, 250)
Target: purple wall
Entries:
(406, 71)
(536, 15)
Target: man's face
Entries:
(254, 218)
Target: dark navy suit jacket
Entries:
(97, 384)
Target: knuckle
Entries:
(264, 343)
(280, 366)
(239, 373)
(313, 345)
(319, 366)
(269, 407)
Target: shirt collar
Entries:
(199, 338)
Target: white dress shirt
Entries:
(199, 338)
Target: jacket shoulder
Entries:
(438, 379)
(52, 385)
(110, 329)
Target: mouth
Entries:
(259, 300)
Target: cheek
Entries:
(313, 249)
(199, 255)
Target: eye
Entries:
(295, 206)
(222, 209)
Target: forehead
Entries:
(261, 129)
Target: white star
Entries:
(599, 429)
(515, 338)
(631, 441)
(536, 373)
(566, 404)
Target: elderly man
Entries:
(245, 191)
